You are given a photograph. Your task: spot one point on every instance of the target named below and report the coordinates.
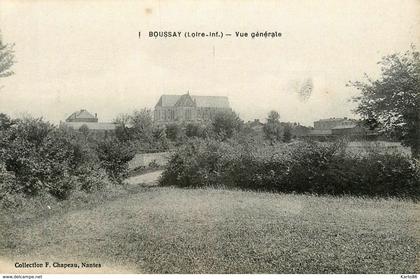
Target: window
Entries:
(188, 114)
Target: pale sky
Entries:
(87, 54)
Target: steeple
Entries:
(185, 101)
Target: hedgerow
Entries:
(301, 167)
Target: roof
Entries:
(91, 125)
(185, 101)
(81, 114)
(201, 101)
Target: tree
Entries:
(122, 130)
(7, 59)
(5, 122)
(192, 130)
(391, 103)
(114, 156)
(287, 133)
(159, 139)
(226, 124)
(272, 129)
(173, 131)
(136, 126)
(142, 124)
(84, 129)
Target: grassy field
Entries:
(170, 230)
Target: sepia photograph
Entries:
(209, 138)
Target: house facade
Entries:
(189, 108)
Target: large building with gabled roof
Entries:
(189, 108)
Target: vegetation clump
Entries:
(37, 157)
(301, 167)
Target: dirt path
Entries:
(150, 178)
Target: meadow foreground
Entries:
(172, 230)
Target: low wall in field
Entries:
(145, 159)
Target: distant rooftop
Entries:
(200, 101)
(82, 116)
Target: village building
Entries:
(330, 123)
(323, 128)
(83, 118)
(339, 127)
(189, 108)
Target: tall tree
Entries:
(391, 103)
(272, 129)
(122, 130)
(7, 59)
(142, 124)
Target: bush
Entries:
(225, 124)
(38, 154)
(114, 157)
(8, 187)
(301, 167)
(173, 132)
(37, 158)
(197, 163)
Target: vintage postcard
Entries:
(209, 137)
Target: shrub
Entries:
(173, 132)
(39, 158)
(193, 130)
(114, 157)
(287, 133)
(5, 122)
(226, 124)
(8, 187)
(38, 154)
(196, 163)
(303, 167)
